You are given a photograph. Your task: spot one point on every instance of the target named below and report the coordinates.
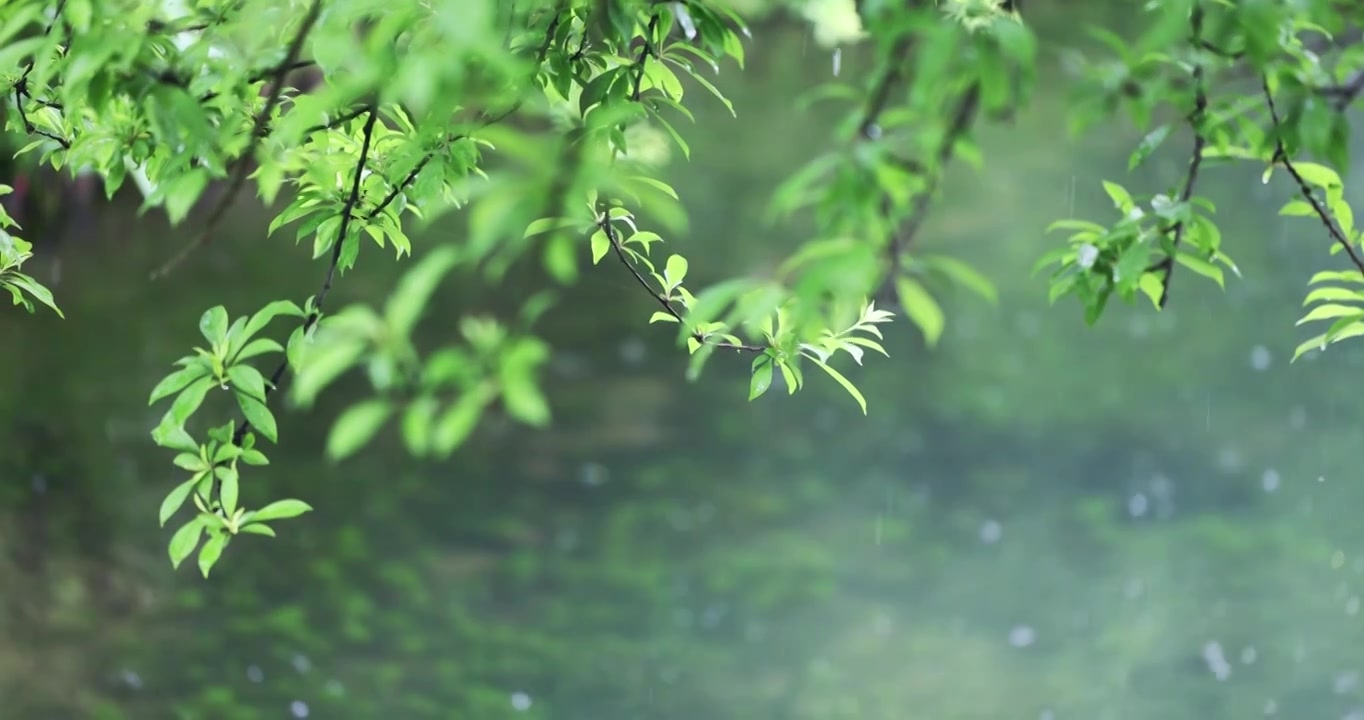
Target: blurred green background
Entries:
(1147, 519)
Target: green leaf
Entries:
(1298, 208)
(761, 380)
(1120, 197)
(268, 313)
(184, 541)
(847, 385)
(675, 271)
(258, 529)
(190, 399)
(921, 308)
(1148, 145)
(1202, 267)
(356, 426)
(280, 510)
(248, 380)
(177, 381)
(229, 488)
(213, 325)
(458, 421)
(601, 244)
(175, 499)
(406, 303)
(1318, 175)
(661, 316)
(211, 551)
(258, 415)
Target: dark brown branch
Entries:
(347, 214)
(1167, 266)
(1323, 214)
(1345, 93)
(619, 248)
(262, 119)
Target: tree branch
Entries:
(347, 214)
(238, 180)
(1167, 266)
(1281, 155)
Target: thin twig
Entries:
(605, 225)
(347, 214)
(1167, 266)
(262, 119)
(1281, 155)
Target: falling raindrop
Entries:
(1297, 418)
(255, 674)
(1260, 358)
(685, 20)
(1270, 480)
(1345, 682)
(299, 709)
(520, 701)
(1086, 256)
(1271, 707)
(301, 663)
(1137, 505)
(872, 131)
(1217, 661)
(838, 60)
(593, 474)
(990, 532)
(1022, 636)
(132, 679)
(633, 352)
(1249, 654)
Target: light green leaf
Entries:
(175, 499)
(921, 308)
(177, 381)
(258, 529)
(190, 399)
(211, 551)
(280, 510)
(248, 380)
(356, 426)
(675, 271)
(601, 244)
(406, 303)
(213, 325)
(184, 541)
(258, 415)
(761, 380)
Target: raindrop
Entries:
(1229, 460)
(633, 352)
(520, 701)
(1321, 478)
(1022, 636)
(990, 532)
(1260, 358)
(872, 132)
(132, 679)
(685, 20)
(1270, 480)
(1271, 707)
(1047, 715)
(301, 663)
(1217, 662)
(1137, 505)
(838, 60)
(255, 674)
(299, 709)
(1249, 654)
(1345, 682)
(335, 688)
(1086, 256)
(593, 474)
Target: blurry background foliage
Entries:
(1148, 518)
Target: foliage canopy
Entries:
(544, 121)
